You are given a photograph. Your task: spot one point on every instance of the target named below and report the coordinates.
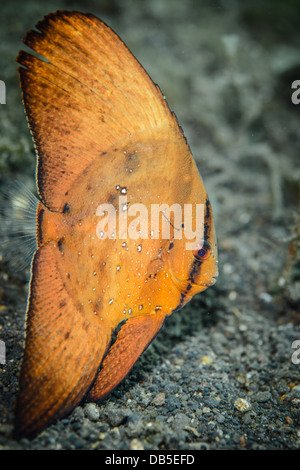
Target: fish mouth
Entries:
(209, 283)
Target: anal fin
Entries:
(133, 338)
(63, 350)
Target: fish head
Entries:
(193, 257)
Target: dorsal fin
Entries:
(88, 93)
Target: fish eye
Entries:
(202, 252)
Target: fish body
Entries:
(109, 151)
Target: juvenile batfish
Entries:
(109, 151)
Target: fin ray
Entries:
(18, 207)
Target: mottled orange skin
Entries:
(102, 130)
(104, 277)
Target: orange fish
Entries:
(108, 148)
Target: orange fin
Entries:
(64, 349)
(134, 337)
(89, 93)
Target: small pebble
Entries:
(91, 411)
(136, 445)
(242, 404)
(263, 397)
(159, 399)
(206, 360)
(117, 417)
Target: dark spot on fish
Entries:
(171, 246)
(40, 219)
(62, 304)
(111, 198)
(207, 206)
(206, 229)
(66, 208)
(67, 335)
(68, 276)
(60, 244)
(181, 302)
(195, 270)
(182, 297)
(79, 307)
(207, 217)
(131, 162)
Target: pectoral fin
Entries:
(134, 337)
